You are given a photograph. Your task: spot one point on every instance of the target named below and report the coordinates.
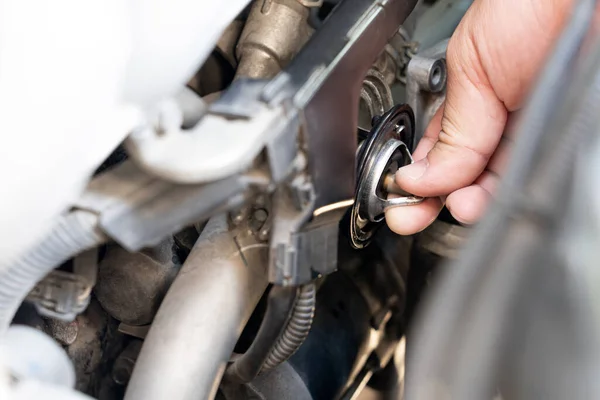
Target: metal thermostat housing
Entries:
(380, 155)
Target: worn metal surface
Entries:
(290, 115)
(131, 286)
(274, 33)
(375, 97)
(123, 366)
(426, 85)
(325, 79)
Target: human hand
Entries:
(492, 59)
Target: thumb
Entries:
(490, 68)
(471, 127)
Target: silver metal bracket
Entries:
(426, 78)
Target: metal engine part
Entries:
(274, 33)
(426, 85)
(356, 327)
(380, 156)
(131, 286)
(375, 98)
(284, 205)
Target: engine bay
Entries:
(229, 241)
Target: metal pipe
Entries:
(203, 314)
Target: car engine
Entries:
(217, 231)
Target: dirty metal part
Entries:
(123, 366)
(375, 97)
(201, 317)
(138, 210)
(139, 332)
(387, 66)
(63, 295)
(251, 115)
(218, 70)
(274, 33)
(186, 238)
(344, 344)
(426, 85)
(254, 220)
(324, 79)
(131, 286)
(401, 49)
(381, 155)
(63, 332)
(90, 348)
(228, 41)
(319, 85)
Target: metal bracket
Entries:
(426, 86)
(214, 162)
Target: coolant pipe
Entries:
(199, 322)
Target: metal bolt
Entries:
(375, 120)
(260, 215)
(122, 372)
(263, 234)
(237, 218)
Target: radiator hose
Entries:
(72, 234)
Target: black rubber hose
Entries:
(72, 234)
(286, 324)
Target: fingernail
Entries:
(413, 171)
